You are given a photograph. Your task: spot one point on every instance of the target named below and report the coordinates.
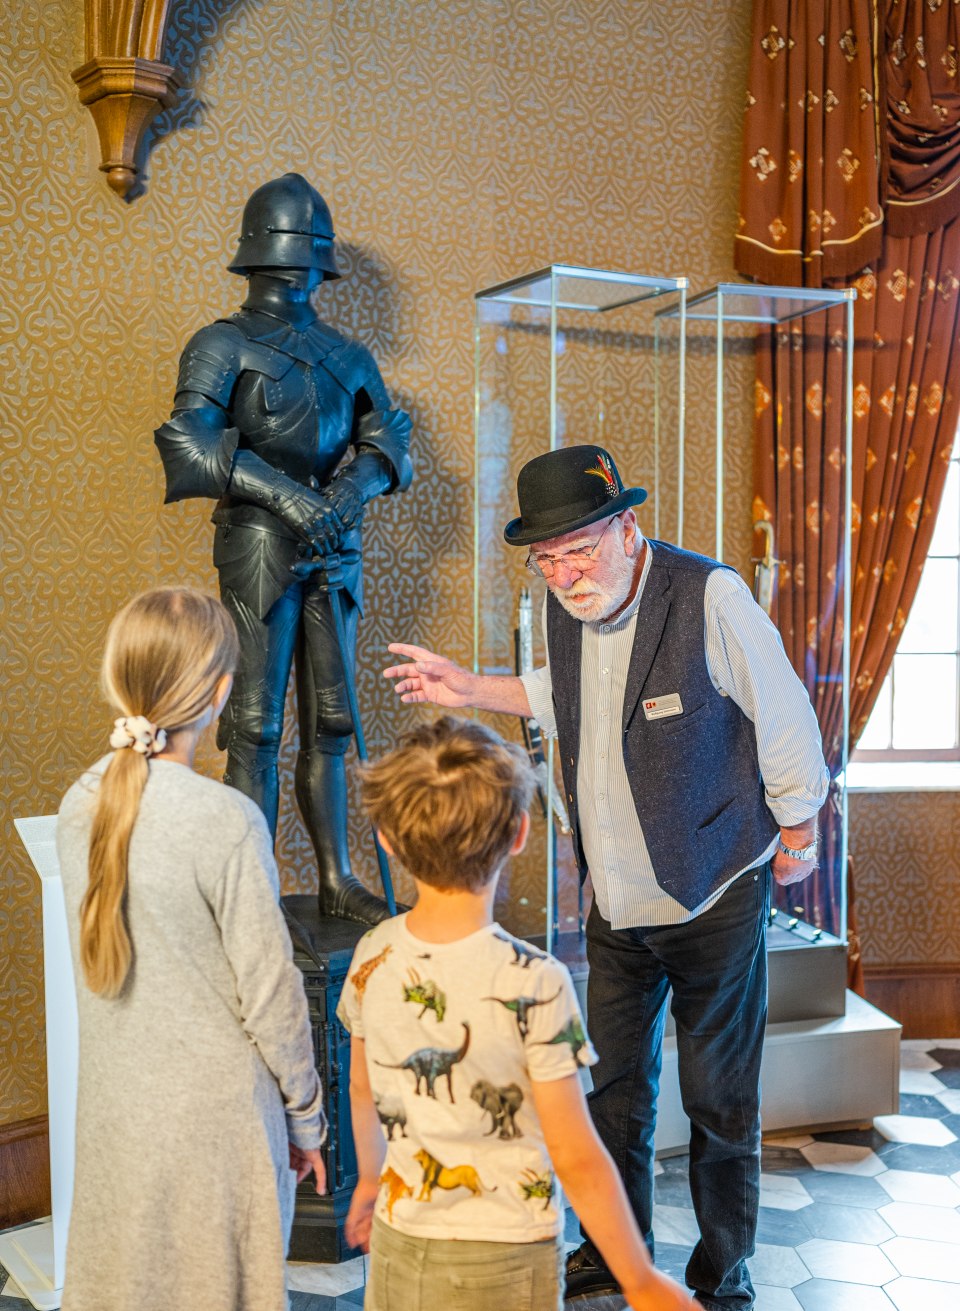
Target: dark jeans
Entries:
(717, 967)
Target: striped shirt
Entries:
(746, 661)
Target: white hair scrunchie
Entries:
(137, 732)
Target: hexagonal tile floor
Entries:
(864, 1220)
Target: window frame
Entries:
(920, 755)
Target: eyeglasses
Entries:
(544, 565)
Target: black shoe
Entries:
(586, 1273)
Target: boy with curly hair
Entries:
(469, 1041)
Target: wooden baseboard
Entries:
(924, 998)
(24, 1171)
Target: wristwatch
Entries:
(799, 853)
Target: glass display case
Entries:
(564, 355)
(800, 370)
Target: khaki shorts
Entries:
(447, 1274)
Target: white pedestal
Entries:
(28, 1255)
(816, 1075)
(36, 1256)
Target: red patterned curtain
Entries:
(923, 116)
(895, 65)
(811, 174)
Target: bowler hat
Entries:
(567, 489)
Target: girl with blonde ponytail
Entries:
(199, 1106)
(169, 660)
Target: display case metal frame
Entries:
(559, 288)
(772, 306)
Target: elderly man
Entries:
(692, 765)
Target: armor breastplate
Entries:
(295, 397)
(300, 423)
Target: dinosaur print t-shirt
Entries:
(454, 1034)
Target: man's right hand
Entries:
(431, 677)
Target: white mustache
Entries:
(577, 590)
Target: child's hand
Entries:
(659, 1293)
(303, 1161)
(360, 1215)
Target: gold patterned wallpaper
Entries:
(458, 143)
(905, 848)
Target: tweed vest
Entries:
(694, 777)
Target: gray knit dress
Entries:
(193, 1080)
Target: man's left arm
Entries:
(747, 662)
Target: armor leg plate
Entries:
(325, 732)
(252, 722)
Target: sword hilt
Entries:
(326, 569)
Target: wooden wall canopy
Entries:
(124, 80)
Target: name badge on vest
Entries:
(660, 707)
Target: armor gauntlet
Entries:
(367, 475)
(388, 432)
(380, 465)
(197, 452)
(308, 513)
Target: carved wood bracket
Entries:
(125, 81)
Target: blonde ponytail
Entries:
(166, 652)
(105, 951)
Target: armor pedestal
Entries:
(323, 948)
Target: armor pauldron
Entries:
(204, 375)
(216, 356)
(209, 366)
(355, 370)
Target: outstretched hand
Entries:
(430, 677)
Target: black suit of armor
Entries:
(269, 403)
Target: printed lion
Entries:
(436, 1175)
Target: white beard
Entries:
(597, 602)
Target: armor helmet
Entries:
(286, 225)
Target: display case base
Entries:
(807, 976)
(830, 1059)
(816, 1075)
(27, 1255)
